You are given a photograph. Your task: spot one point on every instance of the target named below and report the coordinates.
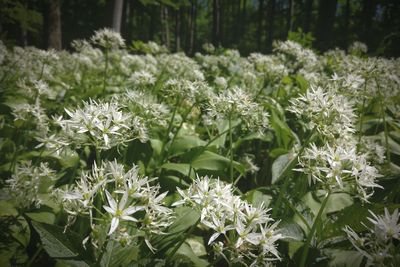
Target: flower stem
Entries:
(182, 240)
(105, 69)
(230, 149)
(313, 229)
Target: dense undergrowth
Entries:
(114, 156)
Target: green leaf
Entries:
(210, 161)
(57, 243)
(7, 209)
(189, 256)
(291, 231)
(184, 143)
(43, 217)
(344, 258)
(256, 198)
(156, 145)
(185, 218)
(279, 166)
(182, 168)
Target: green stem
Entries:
(287, 202)
(313, 229)
(289, 166)
(105, 69)
(230, 149)
(383, 114)
(37, 253)
(180, 125)
(181, 241)
(362, 112)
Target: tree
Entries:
(54, 25)
(216, 29)
(270, 24)
(325, 23)
(117, 15)
(307, 15)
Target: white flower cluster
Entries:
(28, 183)
(108, 39)
(126, 193)
(138, 102)
(330, 114)
(380, 244)
(241, 232)
(103, 125)
(235, 103)
(358, 48)
(340, 166)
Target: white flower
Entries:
(386, 227)
(119, 212)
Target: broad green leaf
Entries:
(189, 256)
(210, 161)
(182, 168)
(170, 182)
(256, 198)
(344, 258)
(185, 218)
(279, 166)
(337, 202)
(156, 145)
(291, 231)
(116, 255)
(57, 243)
(43, 217)
(7, 209)
(197, 245)
(184, 143)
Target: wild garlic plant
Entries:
(256, 160)
(379, 243)
(241, 233)
(121, 205)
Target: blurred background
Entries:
(185, 25)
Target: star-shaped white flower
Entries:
(119, 212)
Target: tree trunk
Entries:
(346, 25)
(117, 15)
(270, 24)
(54, 19)
(307, 15)
(260, 23)
(368, 11)
(290, 13)
(326, 20)
(178, 30)
(216, 29)
(164, 21)
(192, 26)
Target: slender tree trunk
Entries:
(260, 23)
(129, 21)
(307, 15)
(346, 24)
(152, 24)
(178, 30)
(326, 20)
(164, 21)
(192, 26)
(117, 15)
(290, 13)
(54, 38)
(368, 11)
(216, 29)
(270, 24)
